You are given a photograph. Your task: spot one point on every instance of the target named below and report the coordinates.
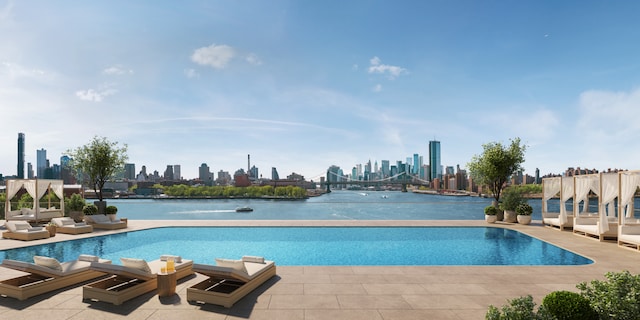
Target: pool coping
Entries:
(352, 292)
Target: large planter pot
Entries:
(52, 230)
(77, 216)
(500, 215)
(112, 217)
(490, 218)
(510, 216)
(524, 219)
(102, 205)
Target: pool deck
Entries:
(345, 292)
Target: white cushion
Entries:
(139, 264)
(52, 263)
(166, 257)
(19, 225)
(100, 218)
(80, 224)
(233, 264)
(253, 259)
(87, 257)
(25, 211)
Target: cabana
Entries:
(629, 225)
(602, 224)
(550, 188)
(36, 188)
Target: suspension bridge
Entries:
(401, 179)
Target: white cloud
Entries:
(216, 56)
(13, 70)
(377, 88)
(392, 71)
(95, 95)
(191, 73)
(5, 12)
(116, 71)
(253, 59)
(609, 115)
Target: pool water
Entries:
(318, 246)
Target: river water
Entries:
(337, 205)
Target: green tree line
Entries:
(181, 190)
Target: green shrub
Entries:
(517, 309)
(111, 210)
(511, 198)
(618, 297)
(490, 210)
(524, 209)
(566, 305)
(74, 203)
(90, 209)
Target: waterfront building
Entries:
(30, 173)
(21, 142)
(416, 164)
(41, 162)
(434, 160)
(224, 178)
(129, 171)
(274, 174)
(177, 175)
(385, 169)
(168, 173)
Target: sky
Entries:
(302, 85)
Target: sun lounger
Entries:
(590, 227)
(230, 280)
(133, 278)
(69, 226)
(101, 221)
(552, 219)
(47, 274)
(22, 230)
(629, 236)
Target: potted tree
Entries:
(490, 214)
(96, 163)
(74, 205)
(111, 211)
(511, 199)
(524, 211)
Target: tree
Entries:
(496, 164)
(97, 162)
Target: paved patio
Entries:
(347, 292)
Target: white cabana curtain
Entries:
(565, 194)
(551, 187)
(629, 182)
(608, 193)
(13, 186)
(584, 184)
(32, 189)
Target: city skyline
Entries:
(304, 85)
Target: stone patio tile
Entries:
(419, 315)
(342, 315)
(394, 288)
(442, 302)
(272, 315)
(185, 314)
(306, 278)
(334, 288)
(372, 302)
(323, 301)
(457, 288)
(95, 314)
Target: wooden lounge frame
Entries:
(40, 280)
(225, 286)
(100, 221)
(125, 283)
(71, 227)
(22, 230)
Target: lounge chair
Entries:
(230, 280)
(101, 221)
(629, 236)
(589, 226)
(47, 274)
(22, 230)
(69, 226)
(133, 278)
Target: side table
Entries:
(167, 284)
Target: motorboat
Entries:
(244, 209)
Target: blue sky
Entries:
(302, 85)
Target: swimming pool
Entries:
(318, 246)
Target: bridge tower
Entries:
(328, 183)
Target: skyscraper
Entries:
(434, 160)
(416, 164)
(41, 163)
(20, 173)
(130, 171)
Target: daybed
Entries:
(552, 186)
(47, 274)
(69, 226)
(629, 226)
(22, 230)
(101, 221)
(36, 188)
(603, 224)
(230, 280)
(133, 278)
